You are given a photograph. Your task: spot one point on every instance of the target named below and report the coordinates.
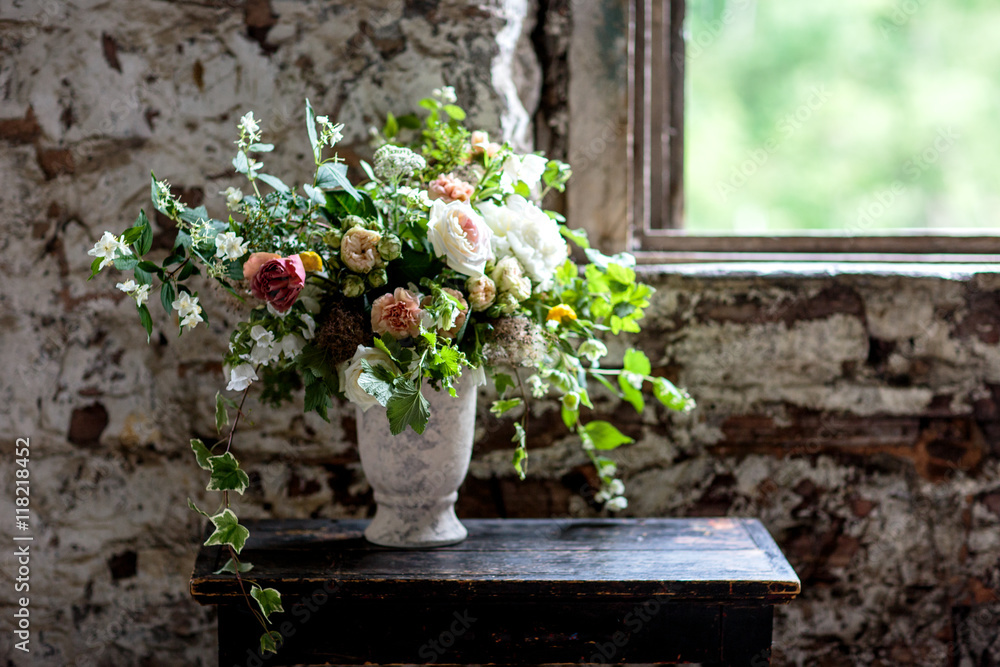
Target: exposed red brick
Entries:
(86, 425)
(862, 507)
(55, 162)
(842, 554)
(110, 48)
(20, 130)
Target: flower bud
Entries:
(507, 303)
(332, 238)
(571, 401)
(389, 247)
(377, 277)
(352, 285)
(351, 221)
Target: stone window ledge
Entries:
(813, 270)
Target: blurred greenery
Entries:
(860, 116)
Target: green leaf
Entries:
(145, 241)
(221, 414)
(95, 267)
(502, 382)
(637, 362)
(268, 599)
(228, 531)
(226, 474)
(167, 296)
(240, 163)
(521, 452)
(230, 567)
(330, 176)
(671, 396)
(502, 406)
(123, 263)
(376, 387)
(456, 112)
(201, 453)
(410, 121)
(274, 182)
(311, 129)
(601, 260)
(260, 148)
(570, 417)
(407, 406)
(604, 435)
(270, 641)
(146, 320)
(198, 509)
(391, 128)
(142, 276)
(630, 393)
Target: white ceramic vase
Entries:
(416, 477)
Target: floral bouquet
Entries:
(441, 264)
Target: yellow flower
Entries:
(311, 261)
(561, 313)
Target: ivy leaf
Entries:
(226, 474)
(198, 509)
(270, 641)
(221, 414)
(268, 599)
(605, 436)
(228, 531)
(502, 406)
(201, 453)
(407, 406)
(231, 567)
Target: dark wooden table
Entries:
(515, 592)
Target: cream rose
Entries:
(459, 235)
(482, 292)
(509, 277)
(359, 249)
(350, 372)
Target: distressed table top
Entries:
(685, 559)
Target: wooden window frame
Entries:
(656, 58)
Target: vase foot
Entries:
(411, 527)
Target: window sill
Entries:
(816, 269)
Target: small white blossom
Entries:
(191, 320)
(241, 377)
(290, 346)
(230, 246)
(310, 331)
(446, 94)
(253, 166)
(107, 248)
(185, 304)
(249, 125)
(141, 294)
(538, 387)
(277, 313)
(261, 335)
(617, 504)
(592, 349)
(128, 286)
(616, 487)
(234, 196)
(330, 134)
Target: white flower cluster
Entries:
(230, 246)
(166, 202)
(446, 94)
(234, 197)
(612, 496)
(249, 128)
(522, 230)
(139, 292)
(188, 310)
(266, 350)
(107, 248)
(394, 162)
(329, 134)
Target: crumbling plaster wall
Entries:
(857, 415)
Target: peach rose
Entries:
(359, 249)
(449, 189)
(255, 261)
(397, 314)
(482, 292)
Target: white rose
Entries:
(459, 235)
(527, 168)
(509, 277)
(350, 372)
(523, 230)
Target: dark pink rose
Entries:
(279, 281)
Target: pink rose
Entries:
(450, 189)
(255, 261)
(481, 144)
(279, 281)
(397, 313)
